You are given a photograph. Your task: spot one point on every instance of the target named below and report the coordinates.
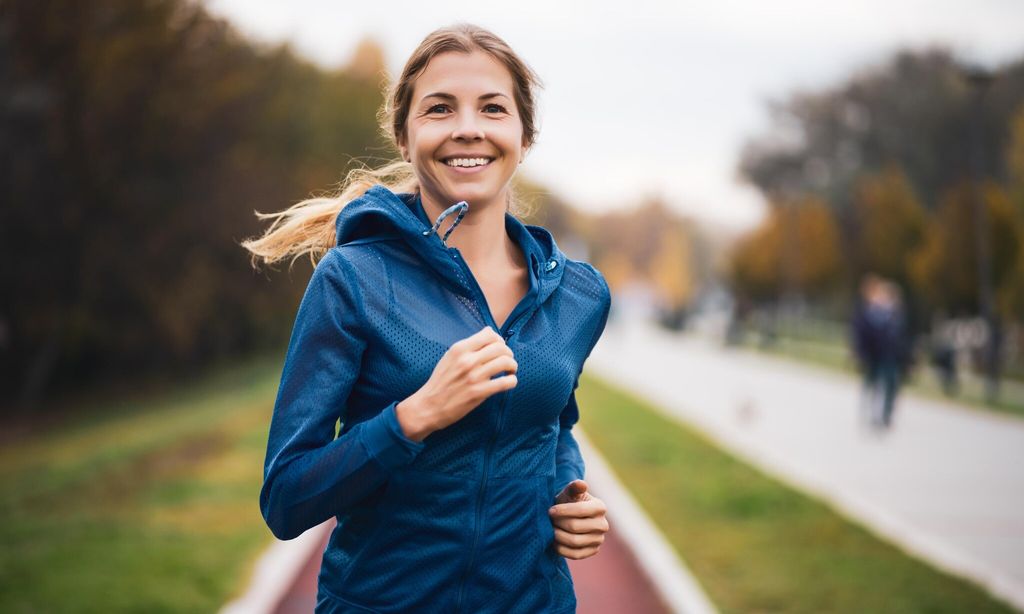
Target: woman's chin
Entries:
(475, 196)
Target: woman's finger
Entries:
(578, 509)
(501, 364)
(578, 540)
(499, 384)
(582, 525)
(488, 353)
(577, 553)
(477, 340)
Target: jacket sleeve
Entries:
(569, 463)
(309, 475)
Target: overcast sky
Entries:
(648, 97)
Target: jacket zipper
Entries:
(482, 302)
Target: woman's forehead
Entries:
(463, 74)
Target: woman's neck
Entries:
(480, 237)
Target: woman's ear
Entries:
(402, 148)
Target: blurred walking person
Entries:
(943, 353)
(881, 347)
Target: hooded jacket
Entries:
(459, 521)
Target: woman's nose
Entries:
(468, 128)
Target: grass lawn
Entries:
(754, 544)
(139, 506)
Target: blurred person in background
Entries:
(942, 347)
(879, 339)
(455, 478)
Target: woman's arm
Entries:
(569, 463)
(577, 517)
(309, 475)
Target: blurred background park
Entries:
(735, 172)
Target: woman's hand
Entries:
(460, 382)
(579, 521)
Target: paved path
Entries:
(946, 482)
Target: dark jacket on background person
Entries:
(880, 337)
(458, 522)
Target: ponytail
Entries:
(307, 227)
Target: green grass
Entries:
(139, 505)
(754, 544)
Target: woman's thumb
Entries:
(573, 492)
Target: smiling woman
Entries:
(452, 364)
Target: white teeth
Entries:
(468, 162)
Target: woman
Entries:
(450, 360)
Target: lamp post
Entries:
(980, 79)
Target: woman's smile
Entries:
(467, 166)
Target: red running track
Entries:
(608, 582)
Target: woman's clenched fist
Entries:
(461, 380)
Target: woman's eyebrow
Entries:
(447, 96)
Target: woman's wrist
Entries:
(412, 419)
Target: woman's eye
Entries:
(437, 107)
(500, 108)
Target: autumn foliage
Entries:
(139, 138)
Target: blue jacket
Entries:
(457, 522)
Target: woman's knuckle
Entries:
(464, 362)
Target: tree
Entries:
(1015, 159)
(756, 264)
(891, 223)
(795, 249)
(141, 137)
(672, 269)
(945, 267)
(913, 109)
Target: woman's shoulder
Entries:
(581, 271)
(590, 282)
(357, 254)
(358, 262)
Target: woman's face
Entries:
(464, 136)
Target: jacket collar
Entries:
(380, 213)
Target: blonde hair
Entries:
(307, 227)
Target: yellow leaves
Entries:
(797, 246)
(945, 268)
(935, 253)
(616, 268)
(671, 268)
(891, 222)
(1015, 153)
(648, 244)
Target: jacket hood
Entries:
(382, 214)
